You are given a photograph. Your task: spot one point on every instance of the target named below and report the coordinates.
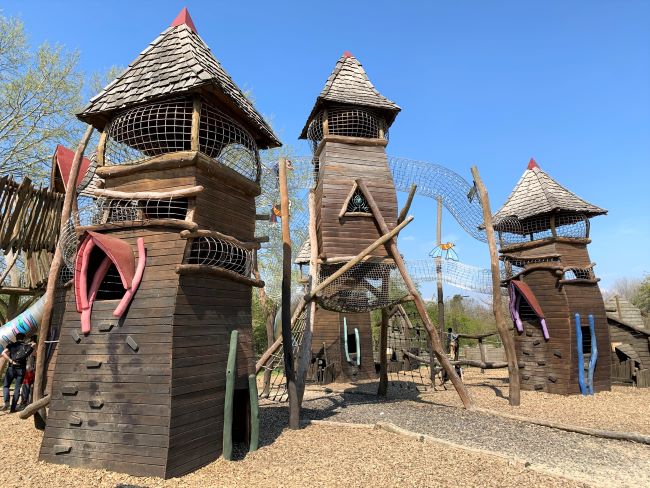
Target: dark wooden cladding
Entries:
(552, 365)
(144, 394)
(340, 165)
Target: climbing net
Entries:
(346, 121)
(408, 351)
(220, 253)
(367, 286)
(511, 230)
(163, 127)
(277, 387)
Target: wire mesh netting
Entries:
(163, 127)
(347, 121)
(512, 230)
(408, 351)
(274, 367)
(366, 286)
(223, 254)
(149, 130)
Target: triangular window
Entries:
(356, 204)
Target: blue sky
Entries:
(480, 83)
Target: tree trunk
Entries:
(57, 261)
(287, 340)
(506, 338)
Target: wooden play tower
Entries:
(355, 205)
(561, 337)
(162, 270)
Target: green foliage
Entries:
(39, 92)
(641, 296)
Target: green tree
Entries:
(39, 92)
(641, 298)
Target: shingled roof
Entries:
(349, 84)
(537, 193)
(176, 62)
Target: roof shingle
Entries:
(177, 61)
(349, 84)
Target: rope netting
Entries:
(212, 251)
(511, 230)
(351, 121)
(366, 286)
(275, 366)
(408, 351)
(164, 127)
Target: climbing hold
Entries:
(62, 449)
(557, 353)
(132, 344)
(106, 327)
(96, 403)
(74, 420)
(69, 390)
(536, 342)
(91, 363)
(552, 378)
(75, 336)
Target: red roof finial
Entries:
(184, 18)
(347, 54)
(532, 164)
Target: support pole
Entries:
(417, 299)
(441, 298)
(57, 261)
(231, 369)
(383, 362)
(407, 206)
(255, 413)
(287, 340)
(497, 308)
(305, 348)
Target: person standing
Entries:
(16, 355)
(26, 390)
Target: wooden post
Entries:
(231, 370)
(101, 149)
(441, 298)
(481, 349)
(506, 338)
(407, 205)
(196, 121)
(305, 348)
(287, 340)
(53, 275)
(417, 299)
(255, 413)
(383, 362)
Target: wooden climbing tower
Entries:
(544, 231)
(348, 130)
(355, 206)
(162, 269)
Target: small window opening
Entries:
(165, 209)
(586, 340)
(220, 253)
(352, 344)
(526, 312)
(111, 286)
(358, 203)
(578, 274)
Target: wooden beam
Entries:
(101, 148)
(55, 267)
(213, 270)
(356, 141)
(407, 205)
(379, 242)
(383, 360)
(173, 223)
(287, 343)
(148, 195)
(189, 234)
(506, 337)
(391, 247)
(196, 122)
(439, 291)
(304, 360)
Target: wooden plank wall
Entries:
(557, 354)
(340, 165)
(639, 341)
(208, 308)
(58, 312)
(328, 329)
(115, 413)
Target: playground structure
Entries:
(150, 367)
(159, 310)
(562, 338)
